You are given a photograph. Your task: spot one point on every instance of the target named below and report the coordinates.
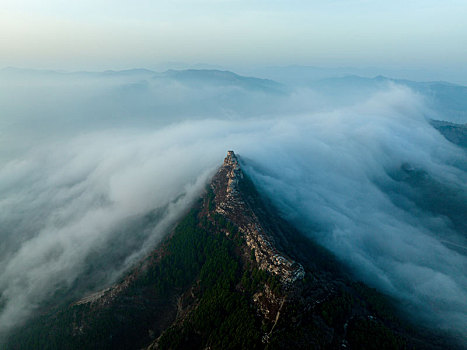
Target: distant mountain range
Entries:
(188, 76)
(221, 78)
(448, 101)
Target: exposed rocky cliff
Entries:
(233, 204)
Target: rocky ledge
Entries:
(239, 209)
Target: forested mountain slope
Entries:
(231, 275)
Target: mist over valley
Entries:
(96, 168)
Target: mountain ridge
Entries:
(231, 275)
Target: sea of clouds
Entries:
(84, 159)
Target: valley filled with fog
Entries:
(95, 168)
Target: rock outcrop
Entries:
(234, 205)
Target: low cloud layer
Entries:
(356, 178)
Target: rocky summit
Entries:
(232, 274)
(232, 204)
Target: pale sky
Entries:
(118, 34)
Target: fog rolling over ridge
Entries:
(107, 171)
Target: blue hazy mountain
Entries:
(222, 78)
(448, 100)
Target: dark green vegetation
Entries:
(196, 254)
(224, 318)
